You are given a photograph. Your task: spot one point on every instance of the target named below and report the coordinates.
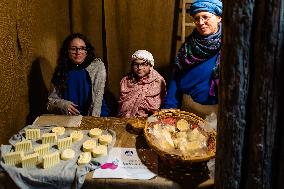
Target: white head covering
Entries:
(143, 55)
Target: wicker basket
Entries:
(136, 124)
(176, 113)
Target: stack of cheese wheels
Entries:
(32, 134)
(50, 160)
(13, 158)
(67, 154)
(89, 145)
(105, 139)
(100, 150)
(49, 138)
(42, 149)
(95, 132)
(24, 146)
(30, 160)
(64, 143)
(84, 158)
(76, 135)
(58, 130)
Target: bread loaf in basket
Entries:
(180, 136)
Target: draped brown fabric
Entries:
(136, 24)
(32, 33)
(86, 16)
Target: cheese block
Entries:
(24, 146)
(30, 160)
(50, 160)
(182, 125)
(195, 135)
(170, 128)
(95, 132)
(76, 135)
(42, 149)
(48, 138)
(89, 145)
(190, 147)
(58, 130)
(105, 139)
(13, 158)
(179, 141)
(165, 145)
(100, 150)
(157, 130)
(67, 154)
(84, 158)
(64, 143)
(182, 134)
(32, 134)
(168, 137)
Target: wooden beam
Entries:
(250, 92)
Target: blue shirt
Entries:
(195, 81)
(105, 111)
(79, 91)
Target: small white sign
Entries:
(123, 163)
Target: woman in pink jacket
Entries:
(143, 89)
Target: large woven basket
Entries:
(176, 113)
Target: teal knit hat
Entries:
(212, 6)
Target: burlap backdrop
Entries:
(32, 32)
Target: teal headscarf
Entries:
(212, 6)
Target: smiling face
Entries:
(140, 68)
(77, 51)
(206, 23)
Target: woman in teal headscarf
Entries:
(195, 81)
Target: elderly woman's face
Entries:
(140, 68)
(206, 23)
(77, 51)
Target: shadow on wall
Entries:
(176, 37)
(166, 72)
(38, 91)
(112, 102)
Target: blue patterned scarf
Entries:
(198, 49)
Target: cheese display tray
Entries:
(26, 174)
(180, 136)
(58, 120)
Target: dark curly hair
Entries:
(64, 64)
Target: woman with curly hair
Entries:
(79, 80)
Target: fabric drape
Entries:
(32, 33)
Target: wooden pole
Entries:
(183, 9)
(250, 130)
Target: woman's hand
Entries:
(201, 110)
(72, 110)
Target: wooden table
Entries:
(170, 175)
